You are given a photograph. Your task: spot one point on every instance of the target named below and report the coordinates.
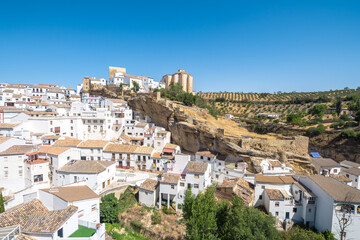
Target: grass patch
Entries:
(83, 232)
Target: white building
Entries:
(326, 166)
(332, 196)
(275, 167)
(149, 192)
(12, 169)
(97, 174)
(82, 197)
(354, 175)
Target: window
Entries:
(6, 172)
(196, 185)
(309, 209)
(146, 193)
(260, 197)
(20, 171)
(50, 122)
(294, 210)
(182, 184)
(189, 185)
(80, 213)
(201, 157)
(335, 170)
(208, 158)
(93, 207)
(172, 186)
(95, 121)
(196, 176)
(262, 187)
(276, 213)
(38, 178)
(71, 121)
(277, 204)
(75, 178)
(217, 176)
(99, 158)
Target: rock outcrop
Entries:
(194, 129)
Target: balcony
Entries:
(86, 231)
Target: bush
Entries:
(315, 131)
(156, 218)
(344, 117)
(348, 133)
(294, 119)
(109, 208)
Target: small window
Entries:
(217, 176)
(196, 176)
(196, 185)
(146, 193)
(172, 186)
(80, 213)
(38, 178)
(182, 184)
(294, 210)
(277, 204)
(262, 187)
(260, 197)
(335, 170)
(93, 207)
(309, 209)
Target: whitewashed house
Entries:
(270, 182)
(82, 197)
(332, 196)
(97, 174)
(12, 172)
(197, 176)
(92, 149)
(326, 166)
(149, 192)
(275, 167)
(354, 175)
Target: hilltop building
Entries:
(181, 77)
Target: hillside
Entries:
(250, 104)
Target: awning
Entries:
(168, 150)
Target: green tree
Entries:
(188, 204)
(338, 106)
(298, 233)
(136, 86)
(109, 208)
(202, 222)
(294, 119)
(2, 207)
(318, 110)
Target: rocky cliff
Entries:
(194, 129)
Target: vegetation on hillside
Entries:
(176, 93)
(208, 219)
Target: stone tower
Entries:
(181, 77)
(86, 84)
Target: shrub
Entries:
(344, 117)
(156, 218)
(315, 131)
(348, 133)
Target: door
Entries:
(287, 215)
(60, 233)
(103, 184)
(108, 181)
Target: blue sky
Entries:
(258, 46)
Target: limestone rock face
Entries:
(194, 133)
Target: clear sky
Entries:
(258, 46)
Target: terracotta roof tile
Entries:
(67, 143)
(144, 150)
(8, 125)
(171, 146)
(274, 179)
(93, 144)
(149, 184)
(83, 166)
(274, 194)
(205, 154)
(17, 150)
(197, 167)
(338, 191)
(34, 217)
(120, 148)
(170, 178)
(53, 150)
(353, 171)
(72, 193)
